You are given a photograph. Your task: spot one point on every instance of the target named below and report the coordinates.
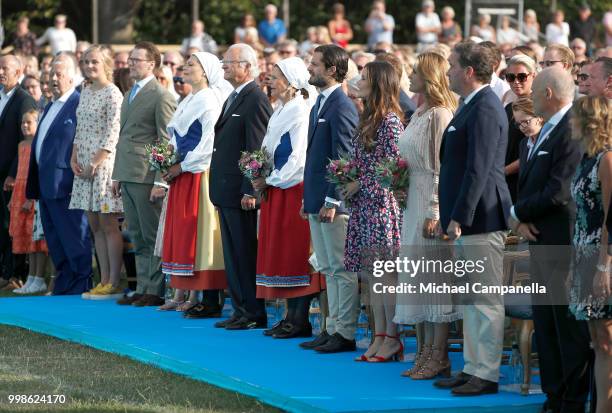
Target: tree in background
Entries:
(165, 21)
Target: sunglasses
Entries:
(179, 80)
(522, 77)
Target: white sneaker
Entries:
(22, 290)
(38, 286)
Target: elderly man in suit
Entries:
(241, 127)
(146, 110)
(14, 102)
(474, 203)
(333, 121)
(50, 181)
(544, 213)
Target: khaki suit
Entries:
(143, 121)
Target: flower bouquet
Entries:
(161, 156)
(341, 172)
(257, 164)
(393, 174)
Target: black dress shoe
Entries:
(318, 341)
(337, 344)
(245, 324)
(292, 331)
(201, 311)
(128, 300)
(275, 329)
(475, 387)
(459, 380)
(224, 323)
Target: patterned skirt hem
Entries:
(176, 269)
(440, 318)
(283, 281)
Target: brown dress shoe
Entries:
(148, 300)
(475, 387)
(126, 300)
(456, 381)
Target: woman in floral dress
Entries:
(93, 157)
(590, 297)
(375, 219)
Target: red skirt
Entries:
(181, 233)
(283, 247)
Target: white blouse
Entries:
(203, 107)
(287, 134)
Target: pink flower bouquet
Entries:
(161, 156)
(255, 164)
(393, 175)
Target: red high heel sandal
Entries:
(363, 356)
(397, 356)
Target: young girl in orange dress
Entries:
(22, 214)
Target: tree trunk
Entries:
(116, 20)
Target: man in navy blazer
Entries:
(545, 214)
(474, 202)
(333, 120)
(14, 102)
(50, 181)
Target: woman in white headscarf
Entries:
(283, 270)
(191, 252)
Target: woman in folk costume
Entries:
(192, 252)
(283, 270)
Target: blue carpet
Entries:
(276, 372)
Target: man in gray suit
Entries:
(145, 112)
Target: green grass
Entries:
(98, 382)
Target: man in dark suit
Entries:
(333, 121)
(241, 127)
(474, 203)
(50, 181)
(544, 213)
(14, 102)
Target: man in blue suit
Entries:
(474, 204)
(50, 181)
(333, 120)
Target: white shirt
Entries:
(47, 120)
(141, 83)
(325, 93)
(63, 40)
(500, 87)
(242, 86)
(428, 21)
(556, 34)
(509, 36)
(5, 97)
(469, 97)
(554, 121)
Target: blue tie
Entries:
(317, 106)
(133, 92)
(229, 101)
(547, 126)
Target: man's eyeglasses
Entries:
(360, 67)
(549, 63)
(583, 76)
(231, 62)
(136, 60)
(171, 64)
(521, 77)
(179, 80)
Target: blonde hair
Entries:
(523, 60)
(592, 122)
(432, 68)
(565, 53)
(107, 59)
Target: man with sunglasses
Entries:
(558, 55)
(183, 89)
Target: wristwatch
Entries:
(603, 268)
(330, 205)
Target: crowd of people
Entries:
(498, 137)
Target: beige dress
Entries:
(419, 145)
(98, 117)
